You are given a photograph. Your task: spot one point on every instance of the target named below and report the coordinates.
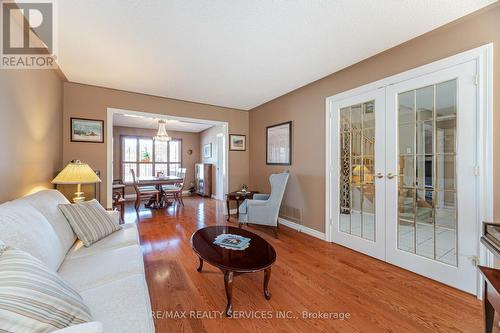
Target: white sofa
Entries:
(109, 275)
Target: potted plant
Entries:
(146, 157)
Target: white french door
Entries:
(358, 146)
(404, 189)
(431, 203)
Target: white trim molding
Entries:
(301, 228)
(109, 143)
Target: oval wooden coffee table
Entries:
(259, 256)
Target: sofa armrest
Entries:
(115, 215)
(92, 327)
(261, 196)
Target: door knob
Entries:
(379, 175)
(390, 175)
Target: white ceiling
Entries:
(152, 123)
(234, 53)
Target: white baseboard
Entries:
(301, 228)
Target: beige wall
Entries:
(190, 141)
(92, 102)
(30, 130)
(306, 108)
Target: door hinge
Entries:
(476, 79)
(476, 170)
(474, 260)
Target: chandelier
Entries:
(162, 134)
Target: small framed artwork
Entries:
(207, 150)
(279, 144)
(237, 142)
(87, 130)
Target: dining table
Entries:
(158, 183)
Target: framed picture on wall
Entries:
(279, 144)
(87, 130)
(207, 150)
(237, 142)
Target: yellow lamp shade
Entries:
(77, 173)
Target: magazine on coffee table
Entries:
(232, 242)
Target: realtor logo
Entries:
(28, 34)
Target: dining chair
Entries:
(175, 190)
(143, 192)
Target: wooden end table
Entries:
(237, 196)
(259, 256)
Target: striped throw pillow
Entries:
(34, 298)
(89, 220)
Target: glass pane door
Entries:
(358, 165)
(357, 162)
(431, 186)
(426, 187)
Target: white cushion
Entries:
(123, 306)
(46, 202)
(128, 235)
(24, 227)
(89, 220)
(92, 327)
(100, 268)
(34, 298)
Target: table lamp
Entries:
(77, 173)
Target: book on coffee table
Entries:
(233, 242)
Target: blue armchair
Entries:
(263, 209)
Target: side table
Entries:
(237, 196)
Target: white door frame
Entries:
(220, 168)
(483, 56)
(109, 143)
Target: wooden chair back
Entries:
(134, 181)
(181, 173)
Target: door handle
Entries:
(391, 175)
(379, 175)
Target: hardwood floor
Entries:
(309, 275)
